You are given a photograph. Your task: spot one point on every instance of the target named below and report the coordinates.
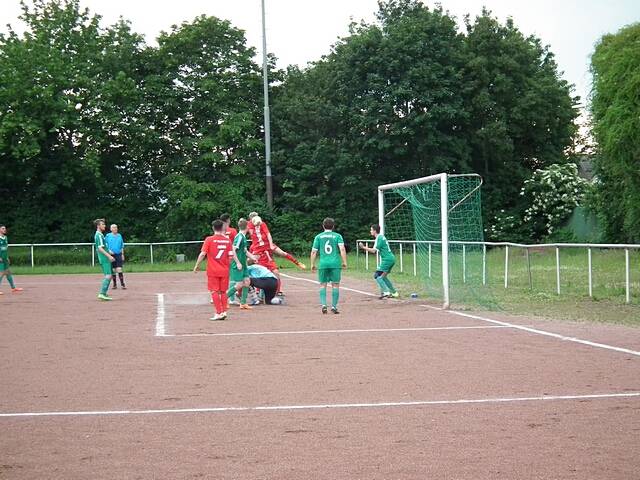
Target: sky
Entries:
(301, 31)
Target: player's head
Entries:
(253, 214)
(100, 224)
(329, 223)
(243, 225)
(218, 226)
(113, 228)
(3, 229)
(375, 230)
(226, 219)
(256, 220)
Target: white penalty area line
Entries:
(538, 331)
(160, 316)
(318, 283)
(361, 330)
(270, 408)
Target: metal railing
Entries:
(403, 244)
(33, 246)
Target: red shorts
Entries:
(266, 260)
(217, 284)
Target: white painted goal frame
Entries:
(444, 216)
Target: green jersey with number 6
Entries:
(327, 245)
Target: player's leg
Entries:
(269, 287)
(113, 271)
(378, 276)
(119, 265)
(213, 287)
(336, 274)
(7, 273)
(386, 270)
(106, 281)
(323, 279)
(244, 289)
(224, 286)
(281, 253)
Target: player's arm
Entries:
(199, 261)
(272, 245)
(343, 254)
(103, 250)
(312, 259)
(122, 249)
(362, 246)
(235, 258)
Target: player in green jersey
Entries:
(333, 257)
(387, 261)
(104, 257)
(4, 260)
(240, 281)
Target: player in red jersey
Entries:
(229, 231)
(218, 250)
(262, 245)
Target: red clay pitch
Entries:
(385, 390)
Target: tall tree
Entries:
(615, 105)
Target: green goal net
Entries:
(443, 245)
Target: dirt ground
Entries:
(147, 387)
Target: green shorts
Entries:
(386, 265)
(105, 267)
(236, 275)
(329, 275)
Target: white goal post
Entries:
(445, 210)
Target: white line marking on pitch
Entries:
(305, 332)
(318, 283)
(538, 331)
(160, 326)
(324, 406)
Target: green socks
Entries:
(382, 284)
(231, 292)
(243, 295)
(389, 284)
(335, 296)
(105, 285)
(10, 279)
(323, 295)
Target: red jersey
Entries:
(231, 233)
(218, 249)
(259, 238)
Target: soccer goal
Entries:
(438, 221)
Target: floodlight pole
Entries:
(267, 126)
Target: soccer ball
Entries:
(256, 220)
(276, 301)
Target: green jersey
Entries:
(98, 241)
(382, 246)
(4, 249)
(327, 244)
(240, 246)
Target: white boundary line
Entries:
(323, 406)
(539, 332)
(307, 332)
(160, 324)
(512, 325)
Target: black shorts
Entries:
(268, 285)
(117, 260)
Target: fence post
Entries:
(529, 269)
(464, 263)
(484, 264)
(357, 255)
(32, 261)
(590, 274)
(506, 267)
(558, 270)
(626, 274)
(93, 255)
(401, 259)
(151, 252)
(429, 259)
(415, 265)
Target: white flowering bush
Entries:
(552, 194)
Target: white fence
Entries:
(33, 246)
(405, 247)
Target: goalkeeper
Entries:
(387, 261)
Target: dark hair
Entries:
(225, 217)
(329, 223)
(217, 225)
(2, 225)
(98, 221)
(376, 227)
(242, 224)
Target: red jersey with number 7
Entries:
(218, 249)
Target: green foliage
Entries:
(616, 119)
